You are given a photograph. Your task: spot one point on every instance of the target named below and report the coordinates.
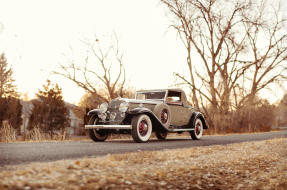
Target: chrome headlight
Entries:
(103, 107)
(123, 114)
(124, 106)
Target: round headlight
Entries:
(124, 106)
(103, 107)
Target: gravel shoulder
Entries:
(247, 165)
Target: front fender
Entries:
(155, 121)
(93, 112)
(141, 110)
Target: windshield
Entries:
(150, 95)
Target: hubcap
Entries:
(164, 116)
(198, 129)
(143, 128)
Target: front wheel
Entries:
(97, 134)
(141, 128)
(196, 134)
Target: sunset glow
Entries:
(36, 37)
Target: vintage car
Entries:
(160, 111)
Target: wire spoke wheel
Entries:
(141, 128)
(164, 116)
(196, 134)
(97, 135)
(198, 129)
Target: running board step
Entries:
(108, 126)
(127, 127)
(180, 130)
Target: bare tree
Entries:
(213, 33)
(222, 38)
(267, 50)
(101, 73)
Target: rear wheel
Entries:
(141, 128)
(196, 134)
(97, 134)
(161, 135)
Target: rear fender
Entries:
(196, 115)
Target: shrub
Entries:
(257, 118)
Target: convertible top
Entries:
(164, 89)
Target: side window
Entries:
(174, 97)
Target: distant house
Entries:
(27, 107)
(76, 123)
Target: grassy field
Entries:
(250, 165)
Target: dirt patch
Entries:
(251, 165)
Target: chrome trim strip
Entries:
(178, 130)
(108, 126)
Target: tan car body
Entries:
(181, 112)
(167, 109)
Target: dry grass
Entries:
(35, 135)
(250, 165)
(7, 133)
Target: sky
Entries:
(36, 37)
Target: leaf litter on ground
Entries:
(248, 165)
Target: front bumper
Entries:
(108, 126)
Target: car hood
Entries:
(117, 101)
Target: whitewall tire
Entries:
(141, 128)
(197, 133)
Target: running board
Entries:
(108, 126)
(179, 130)
(127, 127)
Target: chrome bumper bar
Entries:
(108, 127)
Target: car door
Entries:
(179, 116)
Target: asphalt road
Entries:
(20, 153)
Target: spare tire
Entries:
(162, 112)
